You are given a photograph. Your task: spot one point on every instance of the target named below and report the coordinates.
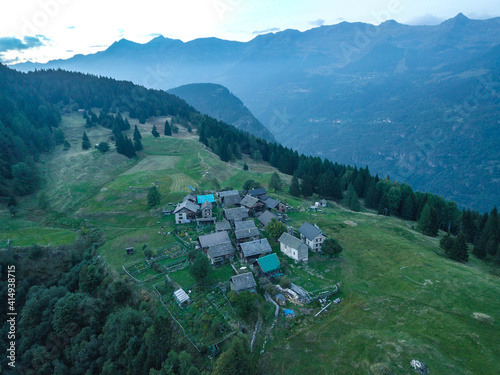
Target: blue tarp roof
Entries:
(203, 198)
(288, 312)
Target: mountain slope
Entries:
(218, 102)
(420, 104)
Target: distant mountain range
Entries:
(218, 102)
(418, 103)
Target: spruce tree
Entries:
(275, 183)
(460, 249)
(138, 145)
(155, 132)
(85, 141)
(307, 187)
(245, 167)
(295, 187)
(428, 221)
(137, 133)
(168, 130)
(352, 199)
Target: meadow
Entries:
(401, 298)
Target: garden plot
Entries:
(207, 320)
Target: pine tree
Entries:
(245, 167)
(137, 133)
(460, 250)
(168, 130)
(428, 221)
(336, 190)
(138, 145)
(407, 211)
(295, 187)
(275, 183)
(85, 141)
(352, 199)
(307, 187)
(155, 132)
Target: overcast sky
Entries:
(42, 30)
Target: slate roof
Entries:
(257, 247)
(243, 281)
(257, 192)
(241, 225)
(220, 250)
(246, 233)
(236, 214)
(266, 217)
(224, 194)
(269, 263)
(222, 225)
(205, 198)
(249, 201)
(293, 242)
(309, 231)
(214, 239)
(187, 205)
(206, 204)
(189, 197)
(272, 203)
(264, 197)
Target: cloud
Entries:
(70, 27)
(318, 22)
(99, 46)
(154, 35)
(270, 30)
(426, 19)
(10, 43)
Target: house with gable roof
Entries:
(185, 212)
(312, 236)
(243, 282)
(293, 247)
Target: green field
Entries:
(401, 298)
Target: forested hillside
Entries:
(218, 102)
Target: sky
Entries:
(43, 30)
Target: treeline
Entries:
(336, 181)
(27, 123)
(30, 106)
(76, 316)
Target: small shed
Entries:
(181, 296)
(280, 299)
(243, 282)
(130, 250)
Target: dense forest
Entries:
(76, 316)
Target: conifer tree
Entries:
(275, 183)
(295, 187)
(85, 141)
(168, 130)
(307, 187)
(155, 132)
(137, 133)
(154, 197)
(428, 221)
(352, 199)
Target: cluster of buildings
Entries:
(238, 214)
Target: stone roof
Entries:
(246, 233)
(243, 281)
(241, 225)
(257, 192)
(220, 250)
(224, 194)
(222, 225)
(272, 203)
(188, 205)
(189, 197)
(206, 204)
(256, 247)
(249, 201)
(309, 231)
(266, 217)
(236, 214)
(214, 239)
(293, 242)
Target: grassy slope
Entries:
(401, 299)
